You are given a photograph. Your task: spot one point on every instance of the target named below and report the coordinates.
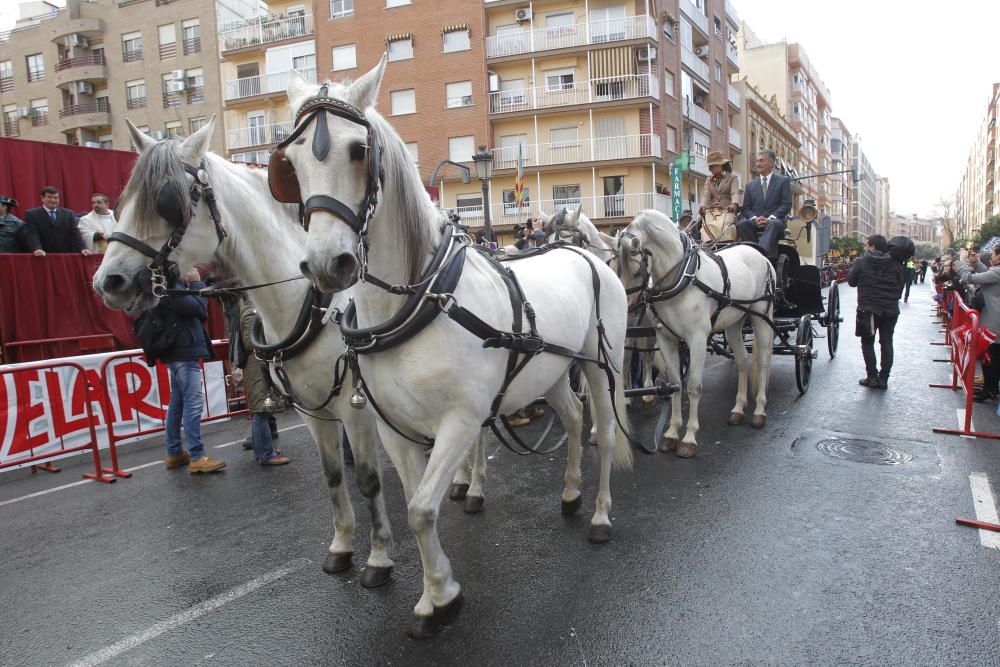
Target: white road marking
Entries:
(961, 423)
(140, 467)
(181, 618)
(986, 508)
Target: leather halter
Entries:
(164, 272)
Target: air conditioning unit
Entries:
(92, 144)
(79, 40)
(24, 112)
(175, 86)
(647, 54)
(522, 14)
(158, 134)
(701, 51)
(467, 100)
(177, 74)
(494, 82)
(84, 88)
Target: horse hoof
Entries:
(374, 576)
(571, 507)
(759, 421)
(735, 418)
(668, 445)
(458, 491)
(340, 562)
(424, 627)
(599, 534)
(473, 504)
(686, 451)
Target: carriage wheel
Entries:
(803, 363)
(833, 319)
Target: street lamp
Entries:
(484, 169)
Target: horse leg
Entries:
(734, 335)
(762, 355)
(474, 500)
(442, 595)
(570, 410)
(689, 444)
(460, 485)
(327, 437)
(360, 429)
(670, 355)
(647, 370)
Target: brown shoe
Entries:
(206, 464)
(537, 411)
(278, 460)
(177, 461)
(518, 421)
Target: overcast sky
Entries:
(912, 79)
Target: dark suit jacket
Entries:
(41, 234)
(777, 203)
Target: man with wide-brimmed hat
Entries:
(720, 200)
(11, 227)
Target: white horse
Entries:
(654, 240)
(263, 245)
(441, 382)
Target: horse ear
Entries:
(574, 215)
(544, 217)
(197, 144)
(364, 91)
(634, 244)
(140, 139)
(610, 240)
(297, 87)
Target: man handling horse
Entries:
(766, 203)
(720, 200)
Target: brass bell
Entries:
(358, 400)
(270, 404)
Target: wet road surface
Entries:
(761, 550)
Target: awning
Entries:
(399, 37)
(455, 28)
(613, 64)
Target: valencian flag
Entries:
(519, 178)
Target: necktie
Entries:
(763, 183)
(52, 215)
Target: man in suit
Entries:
(49, 228)
(767, 201)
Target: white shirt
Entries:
(94, 222)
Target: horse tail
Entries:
(623, 448)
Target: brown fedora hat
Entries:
(716, 157)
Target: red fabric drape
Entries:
(51, 297)
(78, 172)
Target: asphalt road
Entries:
(762, 550)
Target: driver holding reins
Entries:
(720, 200)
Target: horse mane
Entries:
(650, 221)
(158, 165)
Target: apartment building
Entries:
(863, 210)
(882, 205)
(977, 195)
(841, 185)
(71, 75)
(260, 45)
(921, 230)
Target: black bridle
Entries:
(164, 272)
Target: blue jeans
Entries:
(185, 405)
(263, 444)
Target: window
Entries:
(172, 90)
(557, 20)
(718, 71)
(401, 49)
(511, 95)
(39, 112)
(11, 127)
(559, 79)
(671, 139)
(458, 94)
(565, 196)
(564, 135)
(36, 67)
(414, 151)
(196, 124)
(395, 3)
(469, 205)
(195, 78)
(6, 69)
(105, 141)
(306, 65)
(460, 149)
(457, 40)
(403, 102)
(192, 36)
(341, 8)
(344, 57)
(718, 25)
(511, 146)
(135, 94)
(668, 83)
(167, 34)
(173, 128)
(718, 117)
(668, 29)
(131, 47)
(510, 206)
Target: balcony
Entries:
(734, 97)
(135, 103)
(269, 84)
(86, 114)
(731, 13)
(735, 139)
(168, 50)
(732, 55)
(263, 30)
(132, 55)
(192, 45)
(595, 208)
(11, 128)
(91, 67)
(698, 115)
(697, 66)
(581, 150)
(582, 34)
(6, 84)
(579, 92)
(39, 119)
(697, 16)
(259, 135)
(88, 27)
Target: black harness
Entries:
(164, 272)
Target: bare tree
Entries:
(949, 229)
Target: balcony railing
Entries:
(734, 97)
(39, 119)
(168, 50)
(192, 45)
(252, 157)
(171, 100)
(262, 30)
(578, 92)
(131, 55)
(36, 75)
(195, 94)
(732, 55)
(581, 150)
(581, 34)
(11, 128)
(260, 135)
(135, 103)
(697, 16)
(735, 138)
(698, 115)
(606, 206)
(694, 63)
(100, 106)
(81, 61)
(6, 84)
(252, 86)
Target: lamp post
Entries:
(484, 169)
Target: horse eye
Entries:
(300, 141)
(357, 151)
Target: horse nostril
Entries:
(114, 283)
(304, 268)
(342, 268)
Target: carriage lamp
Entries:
(484, 170)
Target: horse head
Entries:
(156, 219)
(649, 238)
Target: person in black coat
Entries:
(49, 228)
(879, 279)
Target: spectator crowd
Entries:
(50, 228)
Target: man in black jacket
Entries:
(879, 279)
(184, 361)
(49, 228)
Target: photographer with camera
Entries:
(532, 238)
